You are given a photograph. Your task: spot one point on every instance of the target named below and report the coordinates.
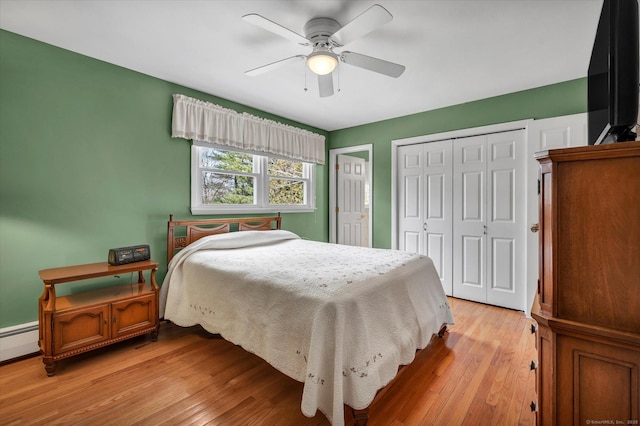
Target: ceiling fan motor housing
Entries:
(319, 30)
(322, 60)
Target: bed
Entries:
(340, 319)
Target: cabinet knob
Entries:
(533, 365)
(535, 227)
(533, 406)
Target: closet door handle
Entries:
(424, 226)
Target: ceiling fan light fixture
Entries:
(322, 62)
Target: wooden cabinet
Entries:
(588, 302)
(76, 323)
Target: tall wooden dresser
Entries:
(588, 302)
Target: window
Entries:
(224, 181)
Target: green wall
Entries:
(549, 101)
(87, 163)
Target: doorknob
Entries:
(535, 227)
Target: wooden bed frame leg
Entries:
(443, 329)
(360, 417)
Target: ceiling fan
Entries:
(325, 34)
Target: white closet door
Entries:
(438, 226)
(410, 198)
(469, 231)
(488, 221)
(506, 231)
(425, 204)
(462, 203)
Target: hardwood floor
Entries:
(478, 374)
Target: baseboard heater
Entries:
(18, 340)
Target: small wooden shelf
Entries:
(77, 323)
(104, 295)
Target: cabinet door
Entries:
(79, 329)
(596, 381)
(132, 315)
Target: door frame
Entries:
(333, 193)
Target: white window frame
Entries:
(261, 188)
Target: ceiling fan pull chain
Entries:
(305, 79)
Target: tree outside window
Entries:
(250, 182)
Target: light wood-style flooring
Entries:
(478, 374)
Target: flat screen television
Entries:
(613, 74)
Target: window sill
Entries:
(207, 210)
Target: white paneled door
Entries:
(506, 219)
(489, 219)
(410, 198)
(469, 219)
(351, 214)
(437, 226)
(461, 202)
(425, 203)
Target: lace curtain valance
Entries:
(208, 123)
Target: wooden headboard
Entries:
(196, 229)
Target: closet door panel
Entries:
(502, 269)
(469, 238)
(473, 197)
(472, 264)
(411, 201)
(505, 220)
(438, 227)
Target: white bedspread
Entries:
(341, 319)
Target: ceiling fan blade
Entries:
(325, 85)
(369, 20)
(372, 64)
(278, 29)
(274, 65)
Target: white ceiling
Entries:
(454, 51)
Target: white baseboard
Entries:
(18, 340)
